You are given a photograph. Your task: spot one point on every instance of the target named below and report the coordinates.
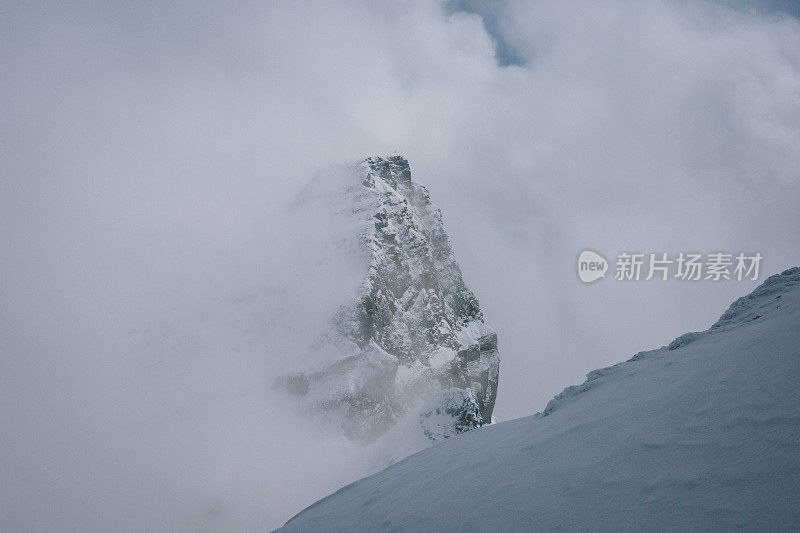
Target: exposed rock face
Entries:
(413, 341)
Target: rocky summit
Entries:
(411, 344)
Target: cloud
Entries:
(151, 266)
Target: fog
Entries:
(155, 276)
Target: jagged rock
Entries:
(412, 342)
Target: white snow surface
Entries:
(703, 434)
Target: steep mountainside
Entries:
(412, 342)
(703, 434)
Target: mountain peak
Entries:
(412, 342)
(393, 167)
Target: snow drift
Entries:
(703, 434)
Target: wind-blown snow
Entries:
(704, 434)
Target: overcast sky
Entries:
(148, 152)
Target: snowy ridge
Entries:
(759, 304)
(411, 342)
(705, 436)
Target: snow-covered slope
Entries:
(411, 342)
(703, 434)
